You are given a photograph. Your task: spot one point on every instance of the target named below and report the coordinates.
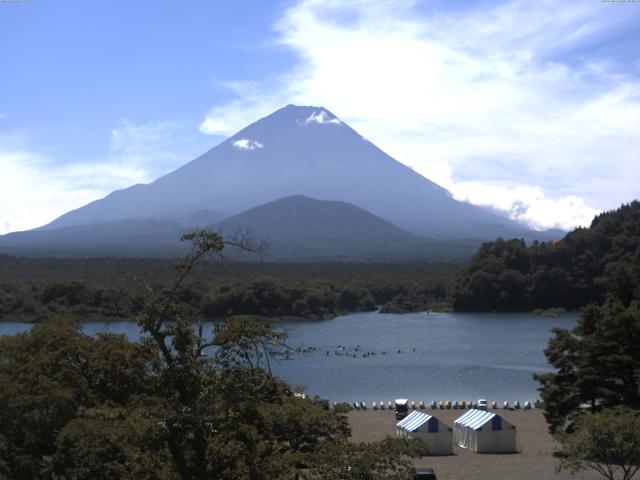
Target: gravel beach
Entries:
(533, 461)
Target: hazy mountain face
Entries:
(134, 237)
(294, 228)
(306, 151)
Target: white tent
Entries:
(484, 432)
(435, 434)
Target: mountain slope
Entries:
(294, 228)
(308, 151)
(129, 237)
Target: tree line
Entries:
(507, 275)
(32, 289)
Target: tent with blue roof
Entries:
(484, 432)
(436, 435)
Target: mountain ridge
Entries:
(308, 151)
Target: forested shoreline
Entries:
(111, 288)
(508, 275)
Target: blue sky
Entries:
(532, 108)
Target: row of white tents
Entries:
(477, 430)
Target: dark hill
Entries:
(299, 227)
(303, 218)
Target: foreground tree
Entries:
(48, 376)
(227, 416)
(389, 459)
(592, 401)
(598, 362)
(607, 442)
(183, 403)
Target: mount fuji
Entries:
(297, 152)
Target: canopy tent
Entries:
(484, 432)
(436, 435)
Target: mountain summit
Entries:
(299, 150)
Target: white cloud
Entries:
(528, 205)
(246, 144)
(154, 148)
(252, 103)
(36, 188)
(490, 95)
(33, 193)
(215, 125)
(321, 117)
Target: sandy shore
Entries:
(533, 461)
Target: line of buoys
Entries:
(442, 404)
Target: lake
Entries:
(372, 356)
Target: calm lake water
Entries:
(372, 356)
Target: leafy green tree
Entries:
(182, 403)
(389, 459)
(48, 375)
(4, 467)
(607, 442)
(559, 390)
(226, 415)
(598, 363)
(111, 443)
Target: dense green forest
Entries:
(33, 288)
(507, 275)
